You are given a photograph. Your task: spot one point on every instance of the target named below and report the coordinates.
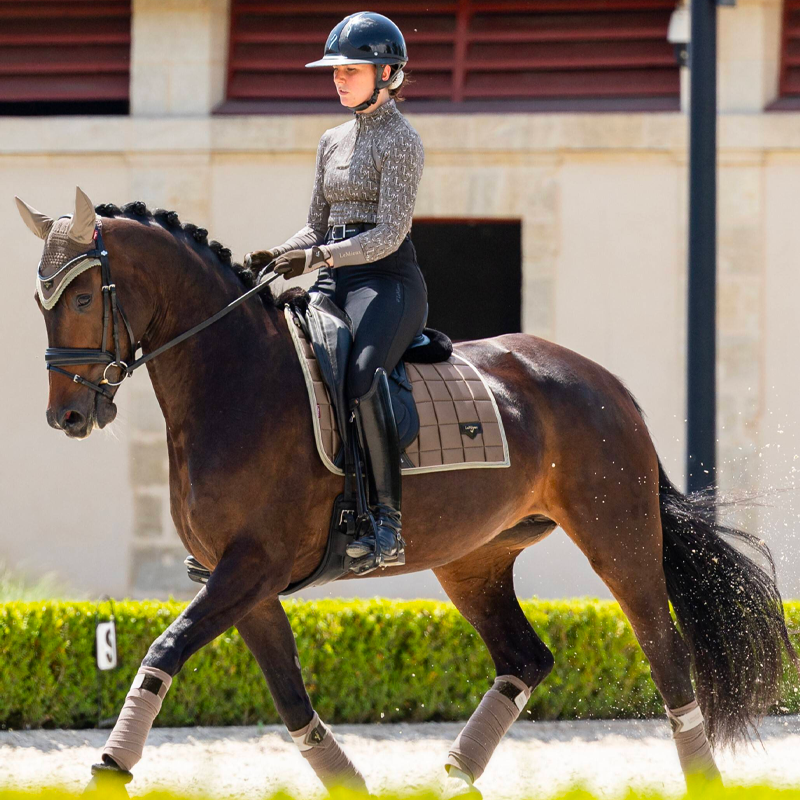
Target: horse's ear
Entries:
(39, 223)
(81, 229)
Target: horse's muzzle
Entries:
(78, 423)
(74, 423)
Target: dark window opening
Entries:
(61, 108)
(473, 269)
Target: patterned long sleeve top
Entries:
(368, 170)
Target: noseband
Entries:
(56, 357)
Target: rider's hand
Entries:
(299, 262)
(258, 259)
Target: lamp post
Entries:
(701, 403)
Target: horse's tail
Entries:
(729, 611)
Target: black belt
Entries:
(338, 232)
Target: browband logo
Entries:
(471, 429)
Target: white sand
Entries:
(534, 759)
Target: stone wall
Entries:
(602, 204)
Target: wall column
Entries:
(749, 55)
(178, 56)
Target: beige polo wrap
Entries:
(689, 733)
(497, 711)
(332, 765)
(126, 743)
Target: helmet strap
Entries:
(379, 84)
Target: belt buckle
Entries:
(342, 228)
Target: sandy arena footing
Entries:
(534, 759)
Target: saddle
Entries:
(328, 331)
(446, 416)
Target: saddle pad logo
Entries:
(471, 429)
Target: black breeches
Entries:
(387, 301)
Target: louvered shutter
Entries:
(790, 55)
(467, 50)
(64, 51)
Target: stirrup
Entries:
(371, 562)
(378, 557)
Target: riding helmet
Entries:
(366, 38)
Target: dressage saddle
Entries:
(329, 330)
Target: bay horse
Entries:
(250, 498)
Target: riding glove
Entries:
(258, 259)
(299, 262)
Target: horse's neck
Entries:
(233, 371)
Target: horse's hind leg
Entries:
(267, 633)
(481, 586)
(622, 538)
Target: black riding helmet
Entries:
(366, 38)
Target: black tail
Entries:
(729, 611)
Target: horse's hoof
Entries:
(458, 784)
(108, 781)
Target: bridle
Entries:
(57, 357)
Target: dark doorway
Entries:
(473, 269)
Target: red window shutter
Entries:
(64, 51)
(790, 50)
(467, 50)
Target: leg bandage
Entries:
(126, 743)
(689, 734)
(497, 711)
(318, 746)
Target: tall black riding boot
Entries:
(377, 430)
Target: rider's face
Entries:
(355, 82)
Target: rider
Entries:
(367, 173)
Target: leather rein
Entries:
(57, 357)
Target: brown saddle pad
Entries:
(460, 425)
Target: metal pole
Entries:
(702, 283)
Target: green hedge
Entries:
(363, 661)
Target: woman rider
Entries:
(367, 172)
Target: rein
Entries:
(56, 357)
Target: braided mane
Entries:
(170, 221)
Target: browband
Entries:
(51, 288)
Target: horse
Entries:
(250, 498)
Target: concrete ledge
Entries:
(472, 134)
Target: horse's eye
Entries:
(83, 300)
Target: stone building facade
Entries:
(602, 203)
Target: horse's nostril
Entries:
(71, 420)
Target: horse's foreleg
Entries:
(267, 633)
(481, 586)
(243, 576)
